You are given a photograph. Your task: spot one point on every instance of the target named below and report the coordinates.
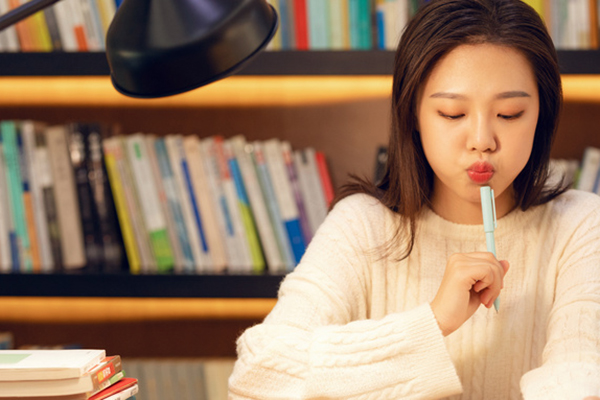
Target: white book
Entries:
(242, 151)
(176, 153)
(65, 25)
(35, 365)
(124, 394)
(79, 15)
(8, 37)
(5, 219)
(231, 196)
(37, 180)
(162, 198)
(235, 258)
(314, 199)
(590, 166)
(208, 211)
(96, 22)
(285, 197)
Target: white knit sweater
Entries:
(351, 325)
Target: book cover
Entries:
(25, 162)
(45, 183)
(77, 135)
(178, 260)
(110, 239)
(242, 151)
(325, 177)
(268, 190)
(67, 203)
(235, 258)
(310, 185)
(176, 153)
(286, 150)
(258, 260)
(285, 197)
(300, 24)
(36, 365)
(17, 206)
(216, 243)
(174, 202)
(151, 211)
(113, 155)
(233, 206)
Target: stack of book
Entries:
(63, 375)
(79, 195)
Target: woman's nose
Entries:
(482, 137)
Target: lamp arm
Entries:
(23, 11)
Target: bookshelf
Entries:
(308, 98)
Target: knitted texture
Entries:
(351, 324)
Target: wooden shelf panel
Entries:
(366, 62)
(126, 285)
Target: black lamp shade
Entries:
(159, 48)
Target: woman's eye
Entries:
(511, 116)
(449, 116)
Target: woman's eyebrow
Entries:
(456, 96)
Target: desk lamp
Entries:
(158, 48)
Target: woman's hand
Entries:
(470, 279)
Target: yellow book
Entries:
(111, 153)
(275, 43)
(40, 32)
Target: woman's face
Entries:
(477, 113)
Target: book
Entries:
(286, 150)
(28, 365)
(318, 24)
(9, 40)
(325, 177)
(113, 156)
(10, 148)
(268, 190)
(7, 232)
(338, 25)
(590, 166)
(285, 198)
(154, 220)
(242, 151)
(174, 202)
(122, 390)
(215, 241)
(314, 199)
(300, 24)
(6, 341)
(65, 25)
(380, 164)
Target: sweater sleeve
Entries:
(318, 341)
(571, 358)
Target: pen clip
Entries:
(488, 209)
(494, 207)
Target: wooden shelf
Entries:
(367, 62)
(127, 285)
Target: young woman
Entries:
(393, 298)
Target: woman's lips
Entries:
(480, 172)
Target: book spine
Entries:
(28, 200)
(113, 152)
(365, 24)
(78, 25)
(193, 153)
(5, 217)
(23, 28)
(286, 25)
(242, 152)
(286, 149)
(9, 35)
(67, 205)
(95, 19)
(337, 25)
(11, 155)
(275, 43)
(43, 172)
(174, 202)
(150, 141)
(150, 206)
(233, 207)
(590, 166)
(325, 177)
(89, 219)
(65, 26)
(318, 24)
(107, 11)
(44, 42)
(258, 260)
(285, 197)
(353, 24)
(175, 150)
(110, 238)
(53, 29)
(300, 24)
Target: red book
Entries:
(325, 177)
(122, 385)
(301, 24)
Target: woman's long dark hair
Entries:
(439, 27)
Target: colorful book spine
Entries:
(243, 153)
(286, 150)
(338, 24)
(300, 24)
(150, 206)
(275, 43)
(11, 155)
(318, 24)
(53, 29)
(112, 153)
(7, 235)
(8, 36)
(325, 177)
(285, 197)
(286, 26)
(65, 26)
(310, 184)
(258, 260)
(170, 186)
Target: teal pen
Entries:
(488, 208)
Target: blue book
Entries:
(286, 25)
(380, 21)
(318, 25)
(193, 201)
(170, 187)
